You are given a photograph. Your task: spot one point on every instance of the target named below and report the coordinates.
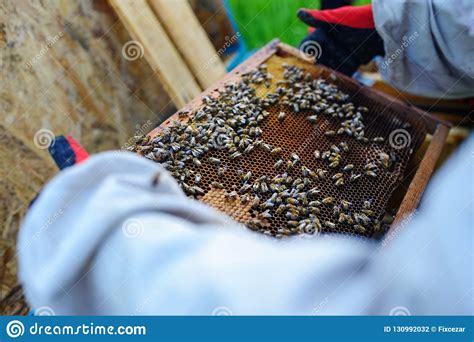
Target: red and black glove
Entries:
(66, 151)
(346, 37)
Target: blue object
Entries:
(242, 51)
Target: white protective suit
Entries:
(100, 239)
(429, 46)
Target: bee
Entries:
(327, 200)
(291, 216)
(197, 178)
(317, 223)
(360, 229)
(368, 212)
(249, 149)
(295, 157)
(247, 176)
(265, 214)
(292, 223)
(214, 161)
(197, 162)
(197, 190)
(330, 133)
(217, 185)
(334, 164)
(220, 172)
(337, 176)
(370, 166)
(267, 147)
(377, 226)
(317, 154)
(276, 150)
(305, 171)
(156, 180)
(346, 204)
(335, 149)
(361, 218)
(312, 118)
(278, 164)
(385, 160)
(255, 224)
(354, 177)
(256, 201)
(281, 116)
(339, 182)
(344, 146)
(321, 173)
(348, 167)
(245, 188)
(291, 200)
(329, 224)
(371, 173)
(235, 155)
(367, 204)
(231, 195)
(244, 199)
(378, 139)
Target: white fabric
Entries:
(429, 46)
(101, 240)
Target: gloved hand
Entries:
(346, 37)
(65, 152)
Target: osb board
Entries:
(79, 85)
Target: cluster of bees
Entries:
(231, 123)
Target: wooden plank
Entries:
(422, 176)
(158, 49)
(190, 39)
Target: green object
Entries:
(259, 21)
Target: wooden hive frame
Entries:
(437, 128)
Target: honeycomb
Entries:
(296, 134)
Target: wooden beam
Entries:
(158, 49)
(178, 19)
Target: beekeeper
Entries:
(103, 238)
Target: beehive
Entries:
(296, 135)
